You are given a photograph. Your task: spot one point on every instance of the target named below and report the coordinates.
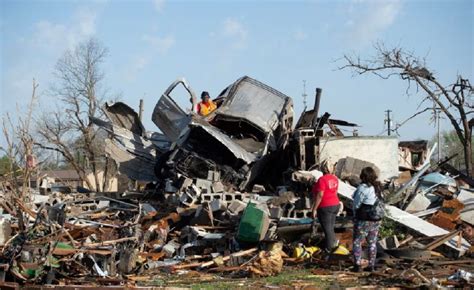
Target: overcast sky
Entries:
(212, 43)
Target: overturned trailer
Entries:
(232, 145)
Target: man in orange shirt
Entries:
(206, 106)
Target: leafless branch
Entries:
(453, 100)
(79, 89)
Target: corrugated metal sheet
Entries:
(123, 116)
(135, 155)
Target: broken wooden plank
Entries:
(226, 258)
(108, 243)
(210, 263)
(438, 242)
(454, 262)
(66, 252)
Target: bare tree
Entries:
(69, 130)
(455, 101)
(19, 152)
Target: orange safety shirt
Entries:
(205, 109)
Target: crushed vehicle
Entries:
(233, 144)
(251, 122)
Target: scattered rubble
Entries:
(229, 193)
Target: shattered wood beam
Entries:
(7, 208)
(210, 263)
(67, 252)
(226, 258)
(24, 208)
(455, 262)
(438, 242)
(108, 243)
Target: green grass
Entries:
(288, 278)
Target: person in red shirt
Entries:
(326, 205)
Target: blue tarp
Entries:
(437, 178)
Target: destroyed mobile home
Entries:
(229, 193)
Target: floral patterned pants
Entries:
(365, 230)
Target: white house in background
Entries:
(46, 179)
(412, 154)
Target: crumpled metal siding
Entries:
(122, 115)
(134, 155)
(136, 163)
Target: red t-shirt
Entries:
(328, 185)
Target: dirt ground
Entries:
(290, 278)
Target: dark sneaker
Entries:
(326, 255)
(357, 269)
(370, 269)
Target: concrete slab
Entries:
(381, 151)
(236, 206)
(204, 185)
(419, 203)
(276, 212)
(217, 204)
(217, 187)
(351, 167)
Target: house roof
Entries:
(64, 175)
(419, 145)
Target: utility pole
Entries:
(304, 95)
(437, 111)
(140, 110)
(140, 116)
(389, 122)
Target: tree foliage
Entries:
(5, 165)
(452, 148)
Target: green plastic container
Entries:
(253, 224)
